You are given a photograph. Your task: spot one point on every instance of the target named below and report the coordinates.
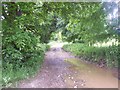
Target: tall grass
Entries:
(107, 55)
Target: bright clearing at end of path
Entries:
(57, 44)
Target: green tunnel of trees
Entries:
(27, 27)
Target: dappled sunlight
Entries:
(110, 42)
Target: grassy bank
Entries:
(13, 72)
(101, 55)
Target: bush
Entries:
(21, 56)
(106, 55)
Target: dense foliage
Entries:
(28, 25)
(22, 51)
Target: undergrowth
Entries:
(101, 55)
(20, 68)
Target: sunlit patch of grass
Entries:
(44, 47)
(106, 44)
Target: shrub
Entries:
(21, 56)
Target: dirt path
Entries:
(53, 72)
(56, 72)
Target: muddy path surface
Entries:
(62, 70)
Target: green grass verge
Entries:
(106, 55)
(12, 73)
